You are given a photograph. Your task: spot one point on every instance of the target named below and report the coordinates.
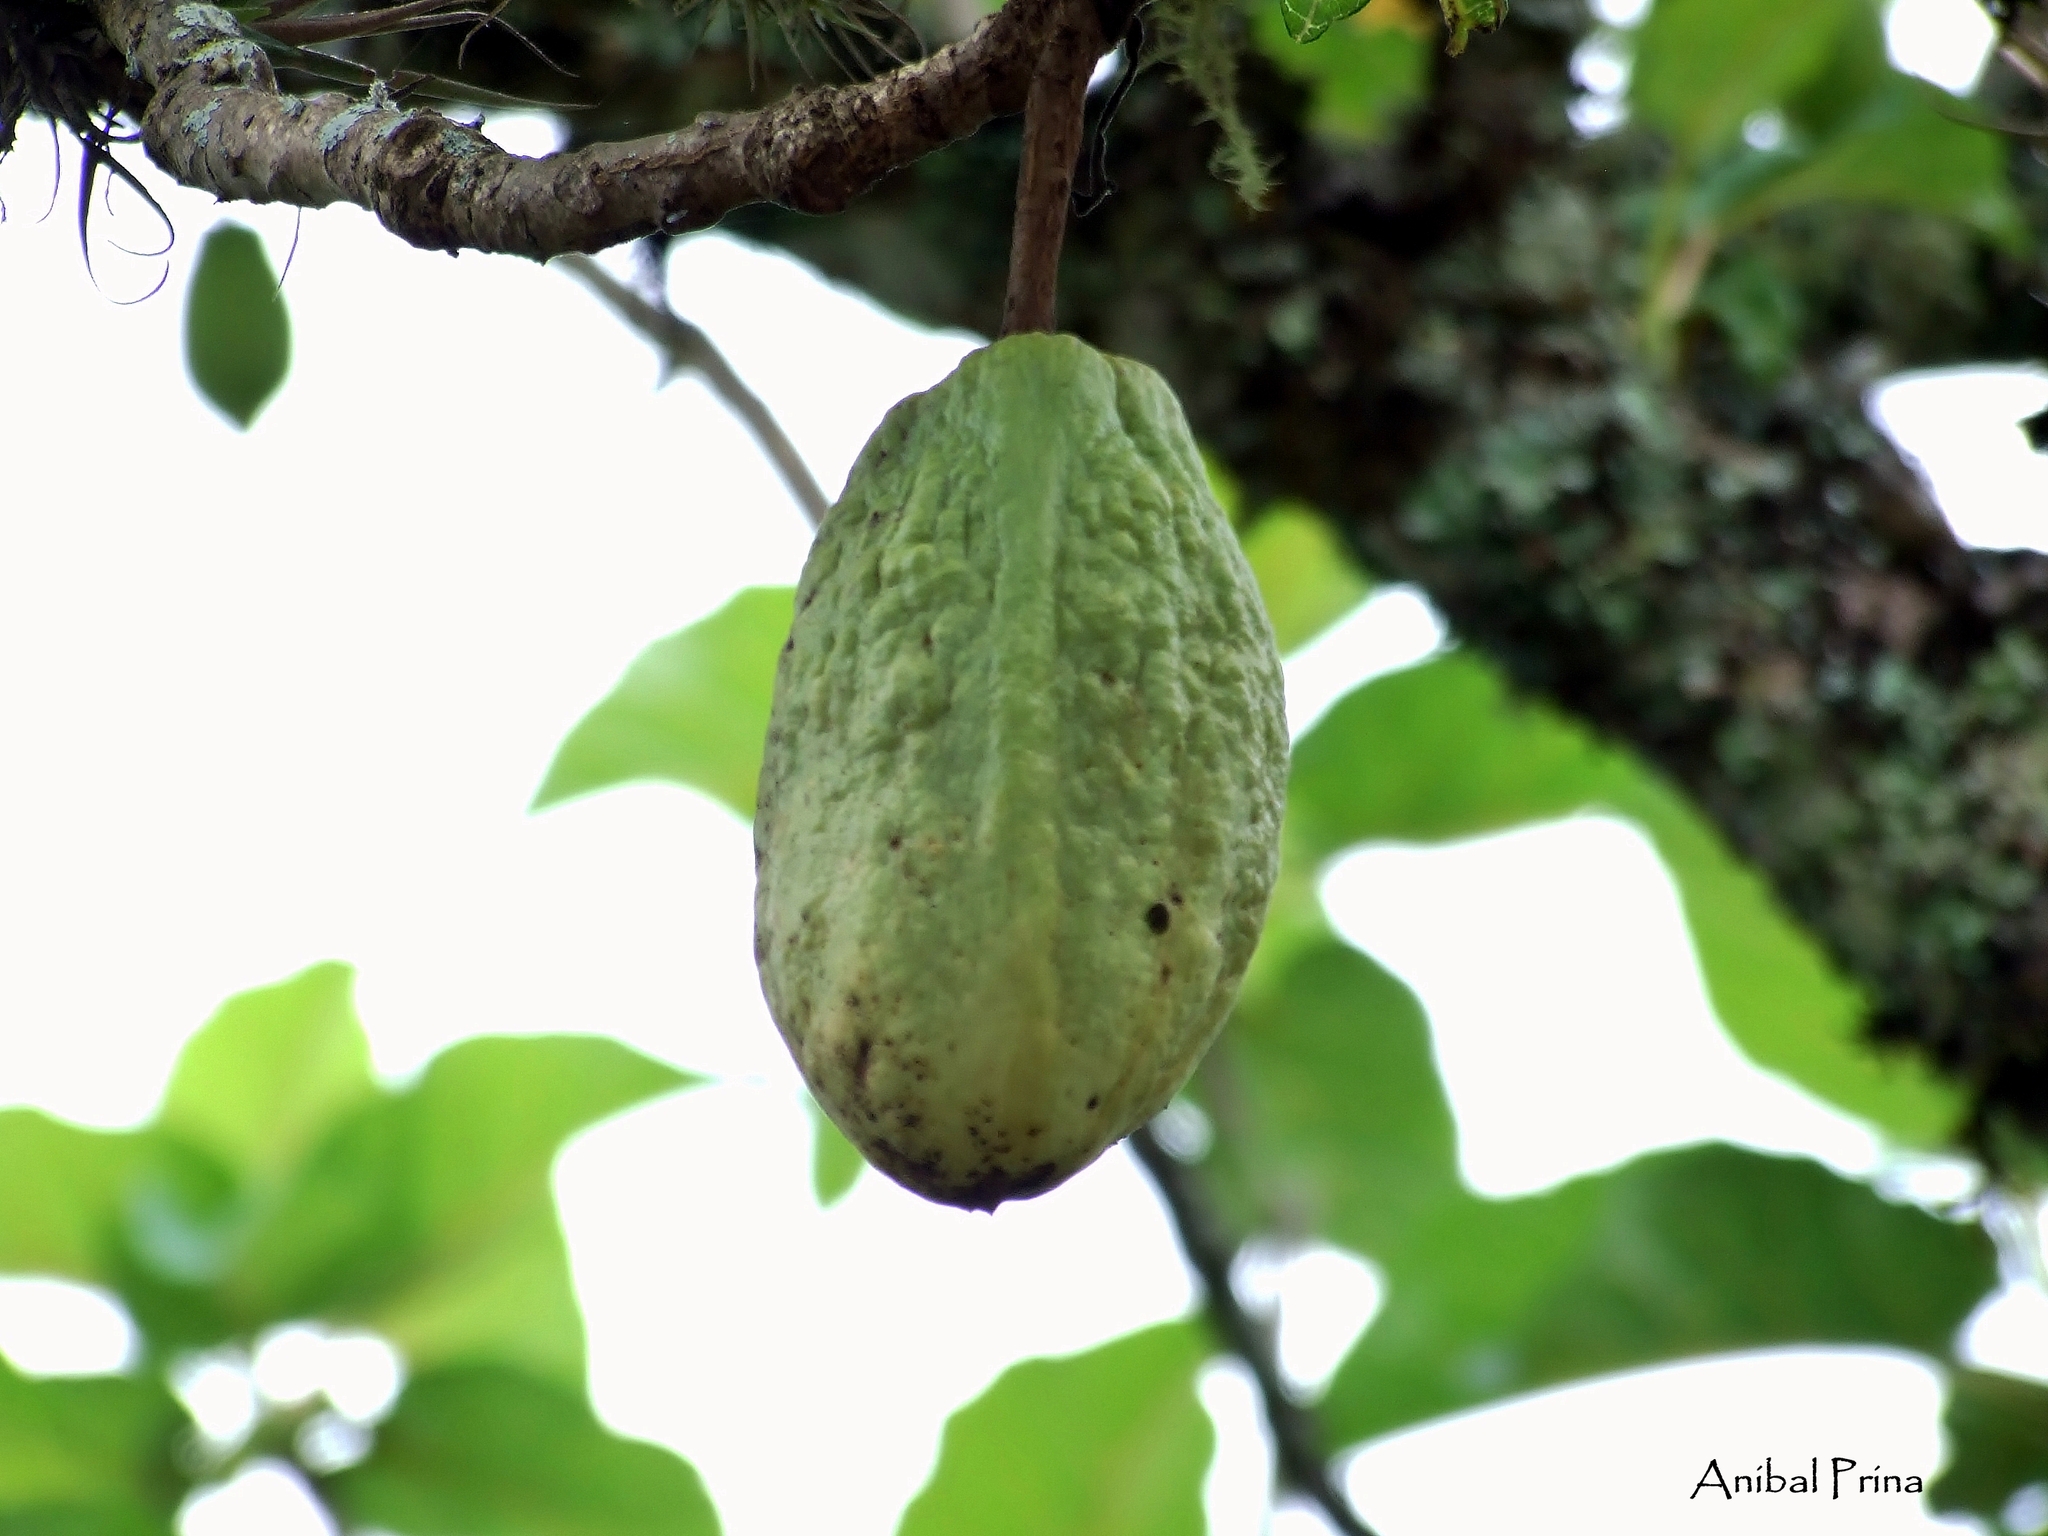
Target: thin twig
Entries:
(1297, 1441)
(684, 348)
(300, 31)
(1053, 111)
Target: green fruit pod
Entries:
(1019, 811)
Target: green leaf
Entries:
(270, 1073)
(185, 1219)
(491, 1451)
(1759, 312)
(835, 1162)
(1307, 20)
(1305, 574)
(693, 708)
(1703, 66)
(107, 1517)
(1676, 1255)
(1326, 1090)
(1997, 1429)
(1295, 921)
(1332, 1120)
(1362, 76)
(86, 1455)
(1440, 751)
(238, 335)
(61, 1199)
(1899, 151)
(1434, 752)
(1857, 67)
(1112, 1442)
(426, 1215)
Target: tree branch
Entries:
(1053, 113)
(1297, 1442)
(684, 348)
(218, 122)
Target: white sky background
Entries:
(280, 697)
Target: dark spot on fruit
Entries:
(912, 1122)
(789, 645)
(1094, 1099)
(809, 598)
(1165, 974)
(927, 639)
(874, 519)
(895, 843)
(1107, 680)
(1174, 897)
(1157, 918)
(1035, 1132)
(863, 1052)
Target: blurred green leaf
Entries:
(1306, 576)
(111, 1517)
(185, 1218)
(1307, 20)
(1440, 751)
(1434, 752)
(836, 1163)
(1325, 1090)
(61, 1198)
(426, 1215)
(238, 335)
(1857, 66)
(270, 1072)
(90, 1456)
(1295, 920)
(1997, 1428)
(1703, 66)
(1362, 75)
(1112, 1442)
(1898, 151)
(1333, 1121)
(693, 708)
(1848, 128)
(1758, 310)
(1678, 1254)
(1223, 485)
(491, 1451)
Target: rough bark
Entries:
(216, 120)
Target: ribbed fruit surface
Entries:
(1020, 806)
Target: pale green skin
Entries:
(1030, 712)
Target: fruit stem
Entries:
(1053, 111)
